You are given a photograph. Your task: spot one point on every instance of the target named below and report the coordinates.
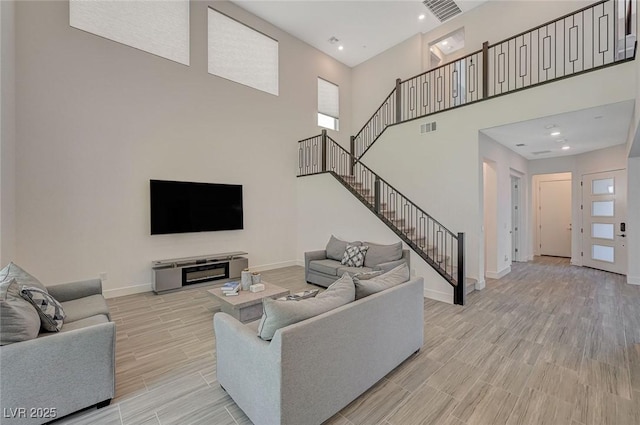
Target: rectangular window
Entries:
(241, 54)
(328, 105)
(158, 27)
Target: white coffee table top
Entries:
(247, 298)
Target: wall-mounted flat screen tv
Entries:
(184, 207)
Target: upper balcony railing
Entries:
(594, 37)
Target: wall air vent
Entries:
(443, 9)
(540, 152)
(428, 127)
(520, 145)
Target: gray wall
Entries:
(96, 120)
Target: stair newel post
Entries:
(324, 150)
(485, 70)
(352, 162)
(398, 101)
(460, 292)
(376, 194)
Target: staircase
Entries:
(434, 243)
(583, 41)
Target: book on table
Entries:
(230, 287)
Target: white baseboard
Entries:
(633, 280)
(127, 290)
(445, 297)
(498, 275)
(265, 267)
(480, 285)
(300, 263)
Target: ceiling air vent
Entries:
(428, 127)
(443, 9)
(540, 152)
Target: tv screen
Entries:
(183, 207)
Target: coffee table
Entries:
(247, 306)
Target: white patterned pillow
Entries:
(49, 310)
(354, 255)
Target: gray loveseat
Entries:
(310, 370)
(323, 267)
(58, 373)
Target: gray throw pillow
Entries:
(19, 321)
(336, 247)
(386, 280)
(280, 313)
(12, 270)
(382, 253)
(50, 311)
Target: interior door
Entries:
(515, 218)
(604, 216)
(555, 218)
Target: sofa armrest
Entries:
(65, 371)
(385, 267)
(74, 290)
(311, 256)
(247, 367)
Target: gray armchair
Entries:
(59, 373)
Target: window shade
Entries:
(328, 98)
(160, 27)
(242, 54)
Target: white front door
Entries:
(555, 218)
(604, 216)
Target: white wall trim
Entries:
(480, 285)
(127, 290)
(633, 280)
(272, 266)
(498, 275)
(445, 297)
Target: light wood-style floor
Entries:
(548, 344)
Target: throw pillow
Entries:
(19, 321)
(50, 311)
(13, 271)
(336, 247)
(280, 313)
(354, 255)
(382, 253)
(387, 280)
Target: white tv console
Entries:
(176, 273)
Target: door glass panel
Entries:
(602, 230)
(602, 253)
(602, 209)
(602, 187)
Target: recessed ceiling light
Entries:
(566, 148)
(340, 47)
(555, 133)
(445, 42)
(421, 17)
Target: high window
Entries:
(328, 105)
(241, 54)
(160, 27)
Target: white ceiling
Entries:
(583, 131)
(363, 27)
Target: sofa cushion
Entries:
(366, 274)
(280, 313)
(329, 267)
(50, 311)
(85, 307)
(354, 255)
(84, 323)
(353, 270)
(386, 280)
(336, 247)
(19, 321)
(382, 253)
(12, 270)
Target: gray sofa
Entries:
(323, 267)
(58, 373)
(310, 370)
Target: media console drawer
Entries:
(172, 274)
